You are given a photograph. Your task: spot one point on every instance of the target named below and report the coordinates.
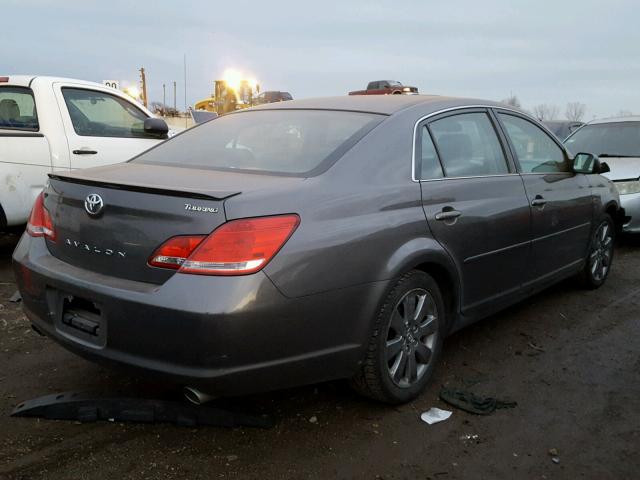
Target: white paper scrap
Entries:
(435, 415)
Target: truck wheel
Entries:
(405, 343)
(600, 256)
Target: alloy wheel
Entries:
(411, 338)
(601, 252)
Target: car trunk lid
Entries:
(141, 209)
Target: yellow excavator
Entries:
(229, 95)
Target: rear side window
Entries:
(536, 151)
(18, 109)
(429, 164)
(468, 145)
(288, 142)
(99, 114)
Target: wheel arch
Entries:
(449, 286)
(437, 263)
(617, 214)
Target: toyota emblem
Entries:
(93, 204)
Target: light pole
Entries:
(164, 99)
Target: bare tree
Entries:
(575, 111)
(546, 112)
(512, 101)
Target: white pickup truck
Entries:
(49, 124)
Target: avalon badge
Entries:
(93, 204)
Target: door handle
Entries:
(85, 152)
(448, 214)
(538, 201)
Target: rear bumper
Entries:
(631, 205)
(231, 335)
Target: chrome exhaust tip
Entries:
(197, 397)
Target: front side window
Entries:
(468, 145)
(288, 142)
(99, 114)
(536, 151)
(18, 109)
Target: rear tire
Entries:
(405, 343)
(600, 257)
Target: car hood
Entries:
(622, 168)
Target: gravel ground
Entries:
(570, 358)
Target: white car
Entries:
(617, 142)
(49, 124)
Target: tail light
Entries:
(40, 224)
(238, 247)
(175, 251)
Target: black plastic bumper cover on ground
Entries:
(86, 407)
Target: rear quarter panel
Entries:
(361, 221)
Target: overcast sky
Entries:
(542, 51)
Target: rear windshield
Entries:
(619, 138)
(18, 109)
(287, 142)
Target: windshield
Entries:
(287, 142)
(619, 138)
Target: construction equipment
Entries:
(229, 94)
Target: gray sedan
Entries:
(616, 140)
(311, 240)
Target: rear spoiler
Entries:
(153, 189)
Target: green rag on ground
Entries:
(472, 403)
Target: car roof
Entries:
(634, 118)
(382, 104)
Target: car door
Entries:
(475, 204)
(561, 209)
(101, 127)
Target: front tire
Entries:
(406, 341)
(600, 256)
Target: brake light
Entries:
(40, 223)
(238, 247)
(4, 79)
(175, 251)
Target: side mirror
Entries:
(156, 127)
(585, 163)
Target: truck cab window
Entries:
(18, 109)
(99, 114)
